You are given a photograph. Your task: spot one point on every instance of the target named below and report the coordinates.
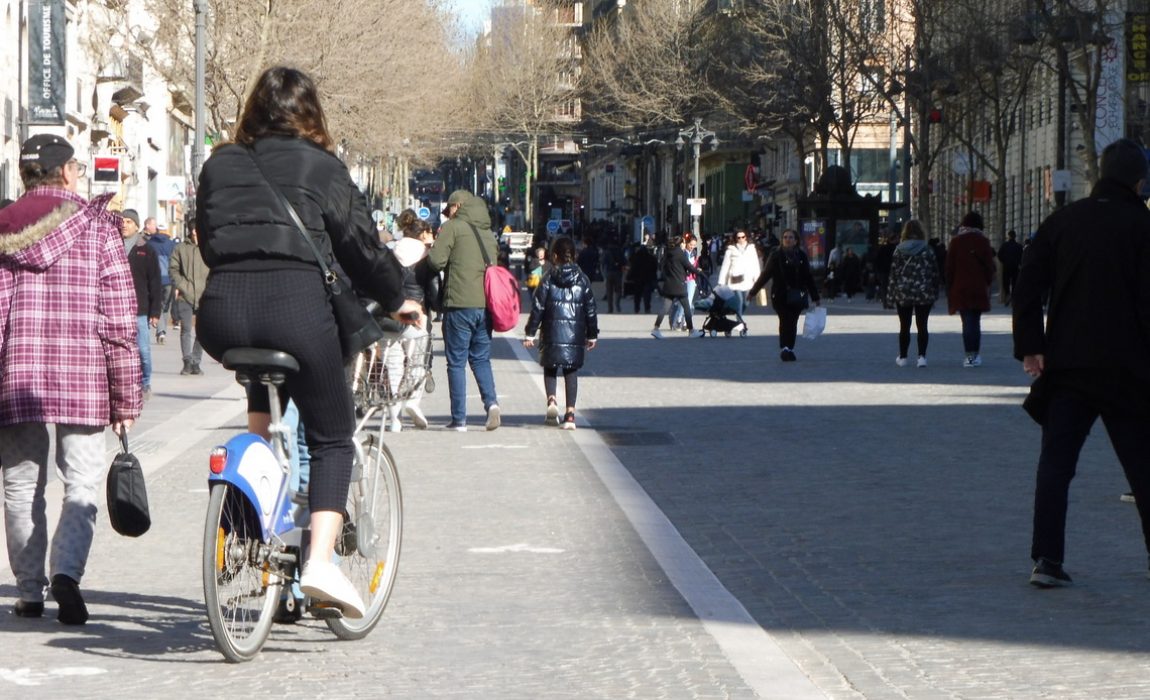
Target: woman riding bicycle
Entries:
(265, 288)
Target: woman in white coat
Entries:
(741, 266)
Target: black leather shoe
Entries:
(66, 592)
(28, 608)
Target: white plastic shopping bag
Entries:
(815, 322)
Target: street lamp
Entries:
(697, 135)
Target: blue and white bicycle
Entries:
(254, 543)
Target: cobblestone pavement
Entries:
(873, 520)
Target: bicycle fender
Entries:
(252, 468)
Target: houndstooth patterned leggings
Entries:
(24, 459)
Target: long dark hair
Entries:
(284, 101)
(563, 250)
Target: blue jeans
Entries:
(677, 311)
(144, 340)
(467, 340)
(971, 330)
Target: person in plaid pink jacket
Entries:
(68, 357)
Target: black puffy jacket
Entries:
(564, 308)
(243, 226)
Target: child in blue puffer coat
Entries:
(563, 312)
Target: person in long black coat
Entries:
(675, 267)
(642, 273)
(1093, 258)
(563, 309)
(793, 289)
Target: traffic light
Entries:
(502, 184)
(934, 116)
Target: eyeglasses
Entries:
(81, 168)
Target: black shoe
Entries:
(28, 608)
(787, 355)
(196, 368)
(187, 368)
(1048, 574)
(66, 593)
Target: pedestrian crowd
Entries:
(80, 361)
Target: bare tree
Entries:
(1080, 35)
(371, 59)
(525, 82)
(644, 67)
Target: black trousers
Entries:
(570, 383)
(1075, 403)
(288, 310)
(788, 323)
(668, 303)
(921, 314)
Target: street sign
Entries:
(696, 207)
(700, 201)
(649, 223)
(553, 226)
(424, 213)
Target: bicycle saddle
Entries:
(258, 361)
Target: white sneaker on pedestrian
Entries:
(697, 334)
(922, 361)
(324, 581)
(657, 333)
(972, 361)
(417, 418)
(493, 418)
(900, 361)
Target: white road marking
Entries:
(27, 677)
(500, 447)
(521, 547)
(752, 651)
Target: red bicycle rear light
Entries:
(218, 460)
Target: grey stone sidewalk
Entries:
(874, 520)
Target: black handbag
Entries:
(127, 496)
(357, 328)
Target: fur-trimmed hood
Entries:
(26, 224)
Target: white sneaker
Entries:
(552, 415)
(922, 360)
(493, 418)
(900, 361)
(972, 361)
(417, 418)
(657, 333)
(696, 334)
(324, 581)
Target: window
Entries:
(872, 16)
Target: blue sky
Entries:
(473, 12)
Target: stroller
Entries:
(724, 309)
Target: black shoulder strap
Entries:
(482, 249)
(328, 275)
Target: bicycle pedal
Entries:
(324, 611)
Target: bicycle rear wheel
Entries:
(240, 589)
(369, 549)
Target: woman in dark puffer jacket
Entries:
(564, 309)
(265, 288)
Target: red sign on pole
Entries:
(106, 169)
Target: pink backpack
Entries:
(501, 289)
